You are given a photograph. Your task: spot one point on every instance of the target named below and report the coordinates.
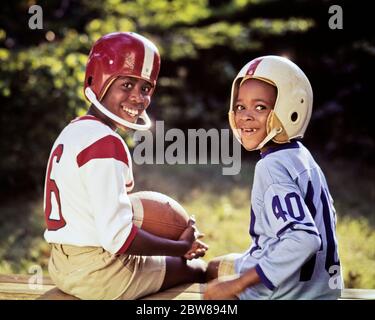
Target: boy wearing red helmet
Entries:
(294, 252)
(97, 252)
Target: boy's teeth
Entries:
(132, 112)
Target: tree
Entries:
(203, 45)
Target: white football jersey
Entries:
(292, 225)
(88, 176)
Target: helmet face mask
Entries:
(115, 55)
(292, 111)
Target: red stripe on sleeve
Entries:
(104, 148)
(129, 240)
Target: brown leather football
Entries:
(158, 214)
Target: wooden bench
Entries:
(17, 287)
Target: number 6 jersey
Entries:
(88, 175)
(292, 225)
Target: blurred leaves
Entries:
(280, 26)
(203, 45)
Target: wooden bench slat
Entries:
(21, 278)
(24, 288)
(190, 291)
(56, 294)
(18, 296)
(350, 294)
(174, 296)
(188, 287)
(17, 287)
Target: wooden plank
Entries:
(17, 287)
(22, 278)
(22, 291)
(24, 288)
(56, 294)
(169, 296)
(18, 296)
(189, 291)
(195, 292)
(188, 287)
(192, 291)
(355, 294)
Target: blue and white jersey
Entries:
(293, 222)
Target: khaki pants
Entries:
(93, 273)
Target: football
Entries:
(158, 214)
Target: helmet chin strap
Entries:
(141, 127)
(269, 137)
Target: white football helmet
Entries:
(293, 106)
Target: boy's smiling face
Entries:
(128, 97)
(254, 102)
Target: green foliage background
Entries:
(203, 44)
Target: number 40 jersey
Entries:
(294, 247)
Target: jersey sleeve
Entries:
(289, 222)
(104, 167)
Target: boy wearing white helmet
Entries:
(97, 251)
(294, 252)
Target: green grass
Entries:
(221, 206)
(21, 236)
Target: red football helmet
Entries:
(120, 54)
